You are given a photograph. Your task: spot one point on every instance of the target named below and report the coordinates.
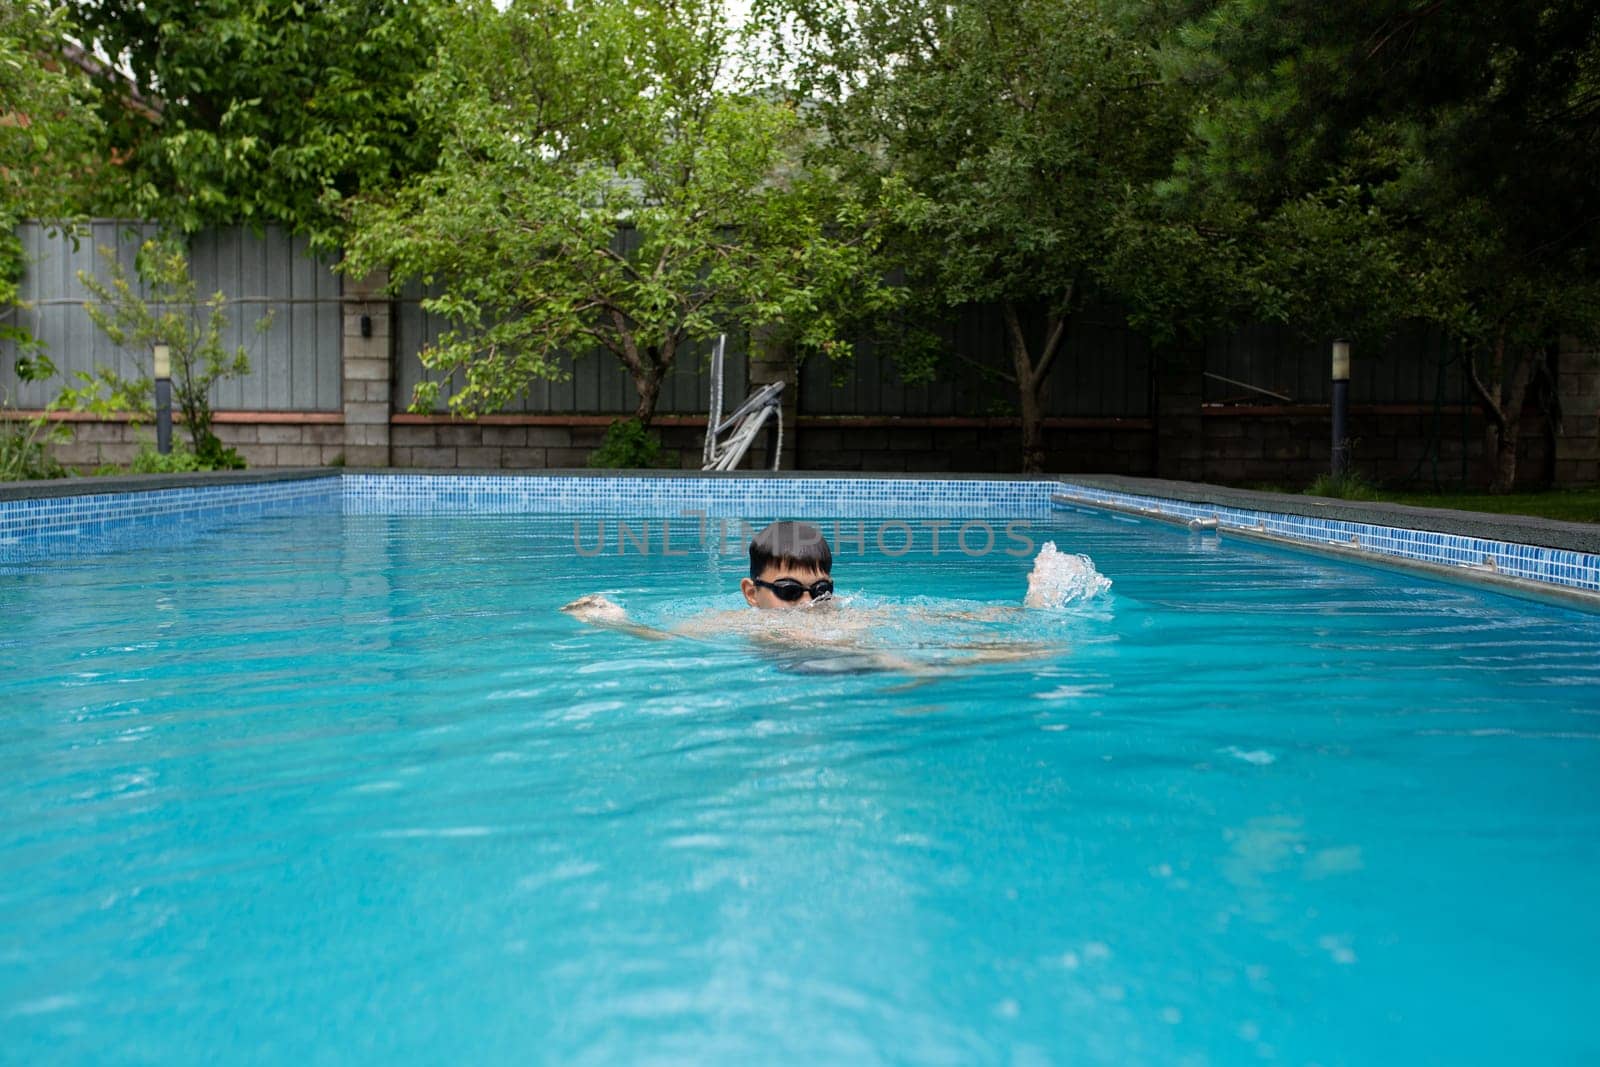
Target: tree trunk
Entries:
(649, 373)
(648, 386)
(1502, 398)
(648, 369)
(1032, 431)
(1502, 452)
(1506, 434)
(1030, 377)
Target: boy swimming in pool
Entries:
(791, 581)
(791, 567)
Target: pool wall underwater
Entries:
(52, 520)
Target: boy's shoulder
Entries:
(712, 623)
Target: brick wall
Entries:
(261, 443)
(1577, 458)
(1394, 447)
(986, 449)
(1235, 446)
(1288, 446)
(368, 370)
(822, 444)
(509, 446)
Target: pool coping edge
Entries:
(1208, 516)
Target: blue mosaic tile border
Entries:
(73, 525)
(52, 527)
(1578, 570)
(669, 496)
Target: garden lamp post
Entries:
(1341, 407)
(163, 374)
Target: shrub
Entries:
(23, 450)
(629, 445)
(175, 316)
(180, 460)
(24, 443)
(1349, 486)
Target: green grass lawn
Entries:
(1571, 505)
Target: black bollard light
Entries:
(163, 375)
(1341, 407)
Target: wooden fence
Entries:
(1105, 371)
(295, 365)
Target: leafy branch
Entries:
(173, 315)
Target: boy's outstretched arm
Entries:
(596, 610)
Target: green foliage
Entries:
(25, 442)
(1330, 264)
(104, 393)
(179, 461)
(49, 149)
(51, 162)
(1394, 160)
(1180, 276)
(629, 445)
(983, 126)
(599, 185)
(1003, 139)
(1351, 485)
(24, 450)
(213, 455)
(171, 314)
(268, 112)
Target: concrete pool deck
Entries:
(1523, 529)
(1543, 559)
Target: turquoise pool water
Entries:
(352, 790)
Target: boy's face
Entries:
(759, 594)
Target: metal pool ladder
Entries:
(728, 439)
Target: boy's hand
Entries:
(596, 609)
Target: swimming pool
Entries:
(335, 787)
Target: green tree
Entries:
(602, 183)
(260, 111)
(1432, 159)
(1004, 137)
(50, 148)
(173, 314)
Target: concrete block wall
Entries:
(367, 340)
(498, 446)
(1233, 445)
(817, 444)
(1577, 458)
(287, 444)
(262, 444)
(1235, 448)
(969, 450)
(1393, 447)
(1180, 446)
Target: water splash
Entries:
(1059, 579)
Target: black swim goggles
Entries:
(789, 590)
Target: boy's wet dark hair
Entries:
(793, 544)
